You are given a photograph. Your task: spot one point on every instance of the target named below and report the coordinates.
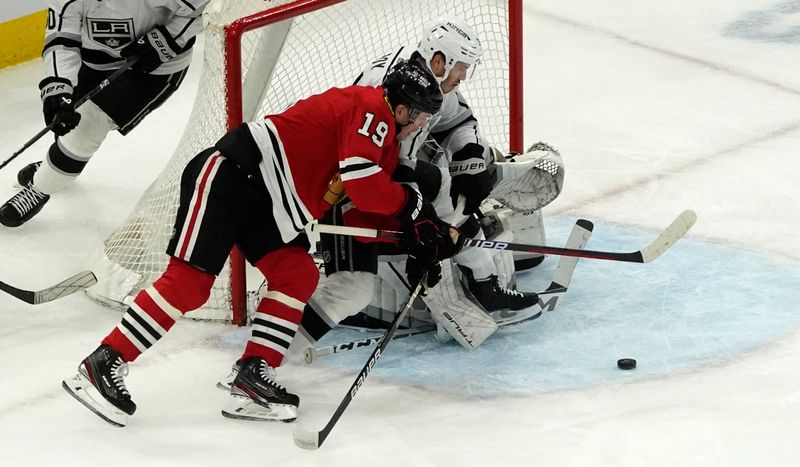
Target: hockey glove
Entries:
(153, 49)
(421, 225)
(58, 105)
(415, 267)
(470, 177)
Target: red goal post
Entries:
(260, 57)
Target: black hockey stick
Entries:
(79, 281)
(313, 439)
(662, 243)
(103, 84)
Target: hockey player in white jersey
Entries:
(452, 50)
(85, 41)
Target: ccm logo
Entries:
(485, 244)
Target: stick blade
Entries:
(79, 281)
(306, 439)
(672, 234)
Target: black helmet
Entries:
(412, 84)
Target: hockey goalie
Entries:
(446, 160)
(524, 183)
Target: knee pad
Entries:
(82, 142)
(184, 286)
(290, 270)
(343, 294)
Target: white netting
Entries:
(281, 64)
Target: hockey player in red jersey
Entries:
(257, 188)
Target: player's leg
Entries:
(204, 233)
(121, 106)
(291, 276)
(477, 263)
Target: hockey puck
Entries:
(626, 363)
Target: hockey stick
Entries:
(307, 439)
(312, 354)
(93, 92)
(558, 286)
(79, 281)
(662, 243)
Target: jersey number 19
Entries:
(381, 129)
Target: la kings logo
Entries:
(112, 33)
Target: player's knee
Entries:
(184, 286)
(86, 138)
(344, 294)
(290, 270)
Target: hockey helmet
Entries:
(454, 38)
(412, 84)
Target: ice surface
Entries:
(656, 107)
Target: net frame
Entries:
(232, 20)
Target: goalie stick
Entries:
(79, 281)
(558, 286)
(656, 248)
(308, 439)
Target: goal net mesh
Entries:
(280, 64)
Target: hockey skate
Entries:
(22, 206)
(256, 396)
(226, 383)
(99, 385)
(25, 174)
(494, 297)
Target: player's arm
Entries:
(186, 23)
(468, 152)
(168, 41)
(62, 43)
(62, 61)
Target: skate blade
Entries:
(82, 389)
(224, 385)
(245, 408)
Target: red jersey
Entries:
(346, 130)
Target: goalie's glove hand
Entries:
(421, 225)
(470, 177)
(152, 50)
(58, 105)
(415, 267)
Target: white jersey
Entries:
(94, 32)
(455, 111)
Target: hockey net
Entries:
(261, 56)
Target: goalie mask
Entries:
(454, 38)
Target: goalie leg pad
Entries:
(528, 228)
(453, 310)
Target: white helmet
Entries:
(455, 39)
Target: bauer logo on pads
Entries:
(112, 33)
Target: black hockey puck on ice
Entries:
(626, 363)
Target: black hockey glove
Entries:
(415, 267)
(470, 177)
(153, 49)
(421, 225)
(58, 105)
